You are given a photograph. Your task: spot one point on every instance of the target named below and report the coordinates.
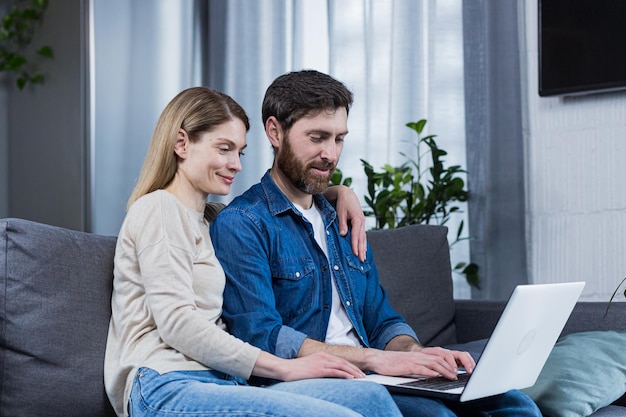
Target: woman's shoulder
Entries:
(154, 207)
(158, 201)
(159, 215)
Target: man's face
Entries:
(310, 152)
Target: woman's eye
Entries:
(224, 150)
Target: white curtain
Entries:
(143, 53)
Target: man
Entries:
(294, 286)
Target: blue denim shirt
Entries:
(278, 288)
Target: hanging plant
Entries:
(17, 29)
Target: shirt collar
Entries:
(278, 202)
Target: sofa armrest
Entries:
(476, 319)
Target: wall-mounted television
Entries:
(582, 46)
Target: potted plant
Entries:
(417, 192)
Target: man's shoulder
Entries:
(249, 205)
(246, 201)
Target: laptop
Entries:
(514, 354)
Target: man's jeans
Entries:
(209, 393)
(512, 403)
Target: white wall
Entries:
(576, 180)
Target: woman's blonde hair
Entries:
(196, 110)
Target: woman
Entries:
(168, 352)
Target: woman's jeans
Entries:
(211, 393)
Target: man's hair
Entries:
(297, 94)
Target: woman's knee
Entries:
(366, 398)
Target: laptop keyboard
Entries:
(439, 383)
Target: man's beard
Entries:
(299, 175)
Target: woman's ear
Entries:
(182, 141)
(273, 131)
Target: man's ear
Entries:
(273, 131)
(182, 141)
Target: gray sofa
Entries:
(55, 305)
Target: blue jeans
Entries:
(210, 393)
(512, 403)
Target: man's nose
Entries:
(330, 151)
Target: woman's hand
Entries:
(320, 365)
(317, 365)
(349, 209)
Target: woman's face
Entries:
(213, 161)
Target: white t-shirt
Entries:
(340, 329)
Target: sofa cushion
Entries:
(584, 372)
(414, 267)
(55, 288)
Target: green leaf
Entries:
(45, 51)
(471, 275)
(21, 82)
(7, 21)
(37, 78)
(4, 34)
(15, 62)
(335, 179)
(31, 14)
(459, 230)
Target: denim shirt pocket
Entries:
(362, 268)
(295, 286)
(358, 274)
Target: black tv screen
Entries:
(582, 46)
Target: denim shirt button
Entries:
(297, 275)
(327, 233)
(336, 268)
(348, 303)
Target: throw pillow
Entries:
(584, 372)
